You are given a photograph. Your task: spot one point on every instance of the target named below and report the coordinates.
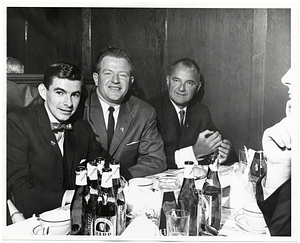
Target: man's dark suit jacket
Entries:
(198, 119)
(37, 174)
(276, 208)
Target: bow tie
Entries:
(55, 126)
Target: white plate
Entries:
(241, 222)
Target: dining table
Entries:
(233, 224)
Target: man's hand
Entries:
(207, 142)
(224, 150)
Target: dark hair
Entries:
(113, 52)
(187, 62)
(61, 70)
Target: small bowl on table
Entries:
(253, 215)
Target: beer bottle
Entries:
(106, 209)
(78, 209)
(120, 196)
(212, 195)
(188, 196)
(94, 191)
(100, 165)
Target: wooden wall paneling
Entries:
(15, 35)
(278, 61)
(258, 76)
(139, 32)
(86, 41)
(220, 40)
(54, 34)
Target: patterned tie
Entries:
(181, 114)
(111, 125)
(55, 126)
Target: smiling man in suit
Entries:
(125, 125)
(44, 145)
(185, 124)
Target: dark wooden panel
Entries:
(15, 34)
(278, 61)
(54, 34)
(86, 41)
(140, 33)
(258, 76)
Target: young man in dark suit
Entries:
(44, 145)
(185, 124)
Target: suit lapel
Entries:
(170, 114)
(47, 132)
(96, 114)
(123, 124)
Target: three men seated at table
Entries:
(41, 163)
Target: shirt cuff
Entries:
(67, 198)
(184, 154)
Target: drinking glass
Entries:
(242, 160)
(178, 221)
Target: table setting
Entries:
(152, 213)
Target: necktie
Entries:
(55, 126)
(181, 115)
(111, 125)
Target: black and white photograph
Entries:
(150, 121)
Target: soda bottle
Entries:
(188, 196)
(212, 196)
(78, 209)
(120, 196)
(106, 210)
(94, 191)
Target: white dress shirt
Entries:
(105, 110)
(186, 153)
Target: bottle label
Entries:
(121, 217)
(206, 207)
(81, 179)
(93, 191)
(92, 171)
(115, 171)
(106, 180)
(90, 224)
(105, 226)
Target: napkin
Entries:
(15, 215)
(141, 227)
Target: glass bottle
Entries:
(100, 165)
(212, 196)
(120, 196)
(94, 191)
(188, 196)
(78, 209)
(106, 211)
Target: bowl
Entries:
(55, 222)
(145, 183)
(253, 215)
